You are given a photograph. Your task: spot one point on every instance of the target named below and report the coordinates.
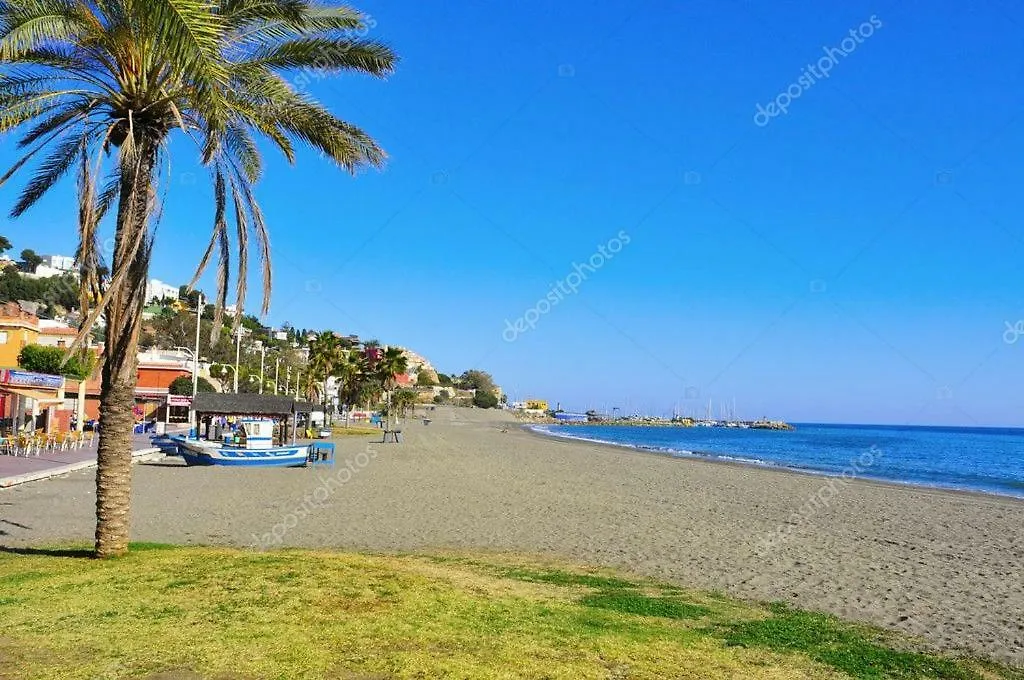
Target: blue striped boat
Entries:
(254, 449)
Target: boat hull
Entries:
(169, 444)
(213, 454)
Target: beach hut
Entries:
(280, 408)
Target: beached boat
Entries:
(169, 444)
(251, 446)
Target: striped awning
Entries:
(40, 396)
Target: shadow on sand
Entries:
(48, 552)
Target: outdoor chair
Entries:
(62, 441)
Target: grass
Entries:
(187, 613)
(354, 430)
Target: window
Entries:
(3, 337)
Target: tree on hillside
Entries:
(29, 260)
(425, 379)
(101, 87)
(189, 296)
(54, 361)
(183, 385)
(476, 380)
(5, 245)
(444, 380)
(485, 399)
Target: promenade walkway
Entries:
(19, 469)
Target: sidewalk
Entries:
(18, 469)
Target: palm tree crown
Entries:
(95, 78)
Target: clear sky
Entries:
(854, 258)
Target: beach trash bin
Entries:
(160, 428)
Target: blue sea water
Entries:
(989, 460)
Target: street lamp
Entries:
(238, 349)
(277, 369)
(194, 355)
(194, 358)
(224, 370)
(263, 354)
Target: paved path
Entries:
(20, 469)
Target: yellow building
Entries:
(536, 405)
(17, 329)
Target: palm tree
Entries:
(326, 355)
(348, 373)
(95, 81)
(390, 364)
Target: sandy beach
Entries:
(941, 565)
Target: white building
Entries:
(156, 289)
(54, 265)
(60, 262)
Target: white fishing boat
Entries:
(252, 445)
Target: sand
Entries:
(943, 566)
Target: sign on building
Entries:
(16, 378)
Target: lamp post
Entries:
(288, 382)
(298, 381)
(263, 354)
(194, 354)
(194, 357)
(223, 371)
(277, 369)
(238, 350)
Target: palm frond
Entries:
(242, 236)
(32, 24)
(50, 170)
(365, 56)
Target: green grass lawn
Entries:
(188, 613)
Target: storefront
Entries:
(30, 400)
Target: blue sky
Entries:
(855, 259)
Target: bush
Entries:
(484, 399)
(183, 385)
(50, 360)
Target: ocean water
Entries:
(989, 460)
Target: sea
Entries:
(987, 460)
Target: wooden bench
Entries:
(396, 435)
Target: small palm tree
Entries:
(99, 86)
(326, 355)
(391, 364)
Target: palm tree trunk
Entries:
(117, 393)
